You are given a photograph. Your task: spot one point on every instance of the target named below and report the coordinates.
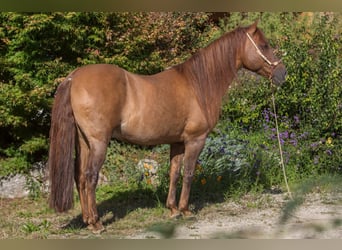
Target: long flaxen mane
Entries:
(211, 70)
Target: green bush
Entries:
(311, 51)
(224, 168)
(308, 103)
(38, 50)
(242, 153)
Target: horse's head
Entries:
(258, 56)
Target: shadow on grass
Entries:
(122, 203)
(119, 204)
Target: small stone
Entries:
(149, 169)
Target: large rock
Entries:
(20, 185)
(33, 183)
(14, 187)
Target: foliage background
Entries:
(37, 50)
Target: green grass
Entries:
(234, 163)
(127, 210)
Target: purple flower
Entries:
(266, 115)
(222, 151)
(284, 135)
(294, 142)
(304, 135)
(282, 141)
(296, 119)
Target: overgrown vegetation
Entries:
(38, 50)
(241, 155)
(308, 104)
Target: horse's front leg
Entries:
(176, 160)
(192, 150)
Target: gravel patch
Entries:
(320, 217)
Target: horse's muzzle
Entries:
(279, 74)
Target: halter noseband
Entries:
(273, 64)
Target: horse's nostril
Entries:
(279, 75)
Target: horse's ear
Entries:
(253, 27)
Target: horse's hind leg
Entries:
(82, 153)
(96, 158)
(90, 156)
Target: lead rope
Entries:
(274, 64)
(279, 144)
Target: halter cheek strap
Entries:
(274, 64)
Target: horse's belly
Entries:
(143, 134)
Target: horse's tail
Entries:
(61, 154)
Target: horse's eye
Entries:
(264, 47)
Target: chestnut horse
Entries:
(179, 106)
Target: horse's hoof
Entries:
(188, 215)
(96, 228)
(175, 215)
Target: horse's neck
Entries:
(210, 71)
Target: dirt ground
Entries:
(319, 217)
